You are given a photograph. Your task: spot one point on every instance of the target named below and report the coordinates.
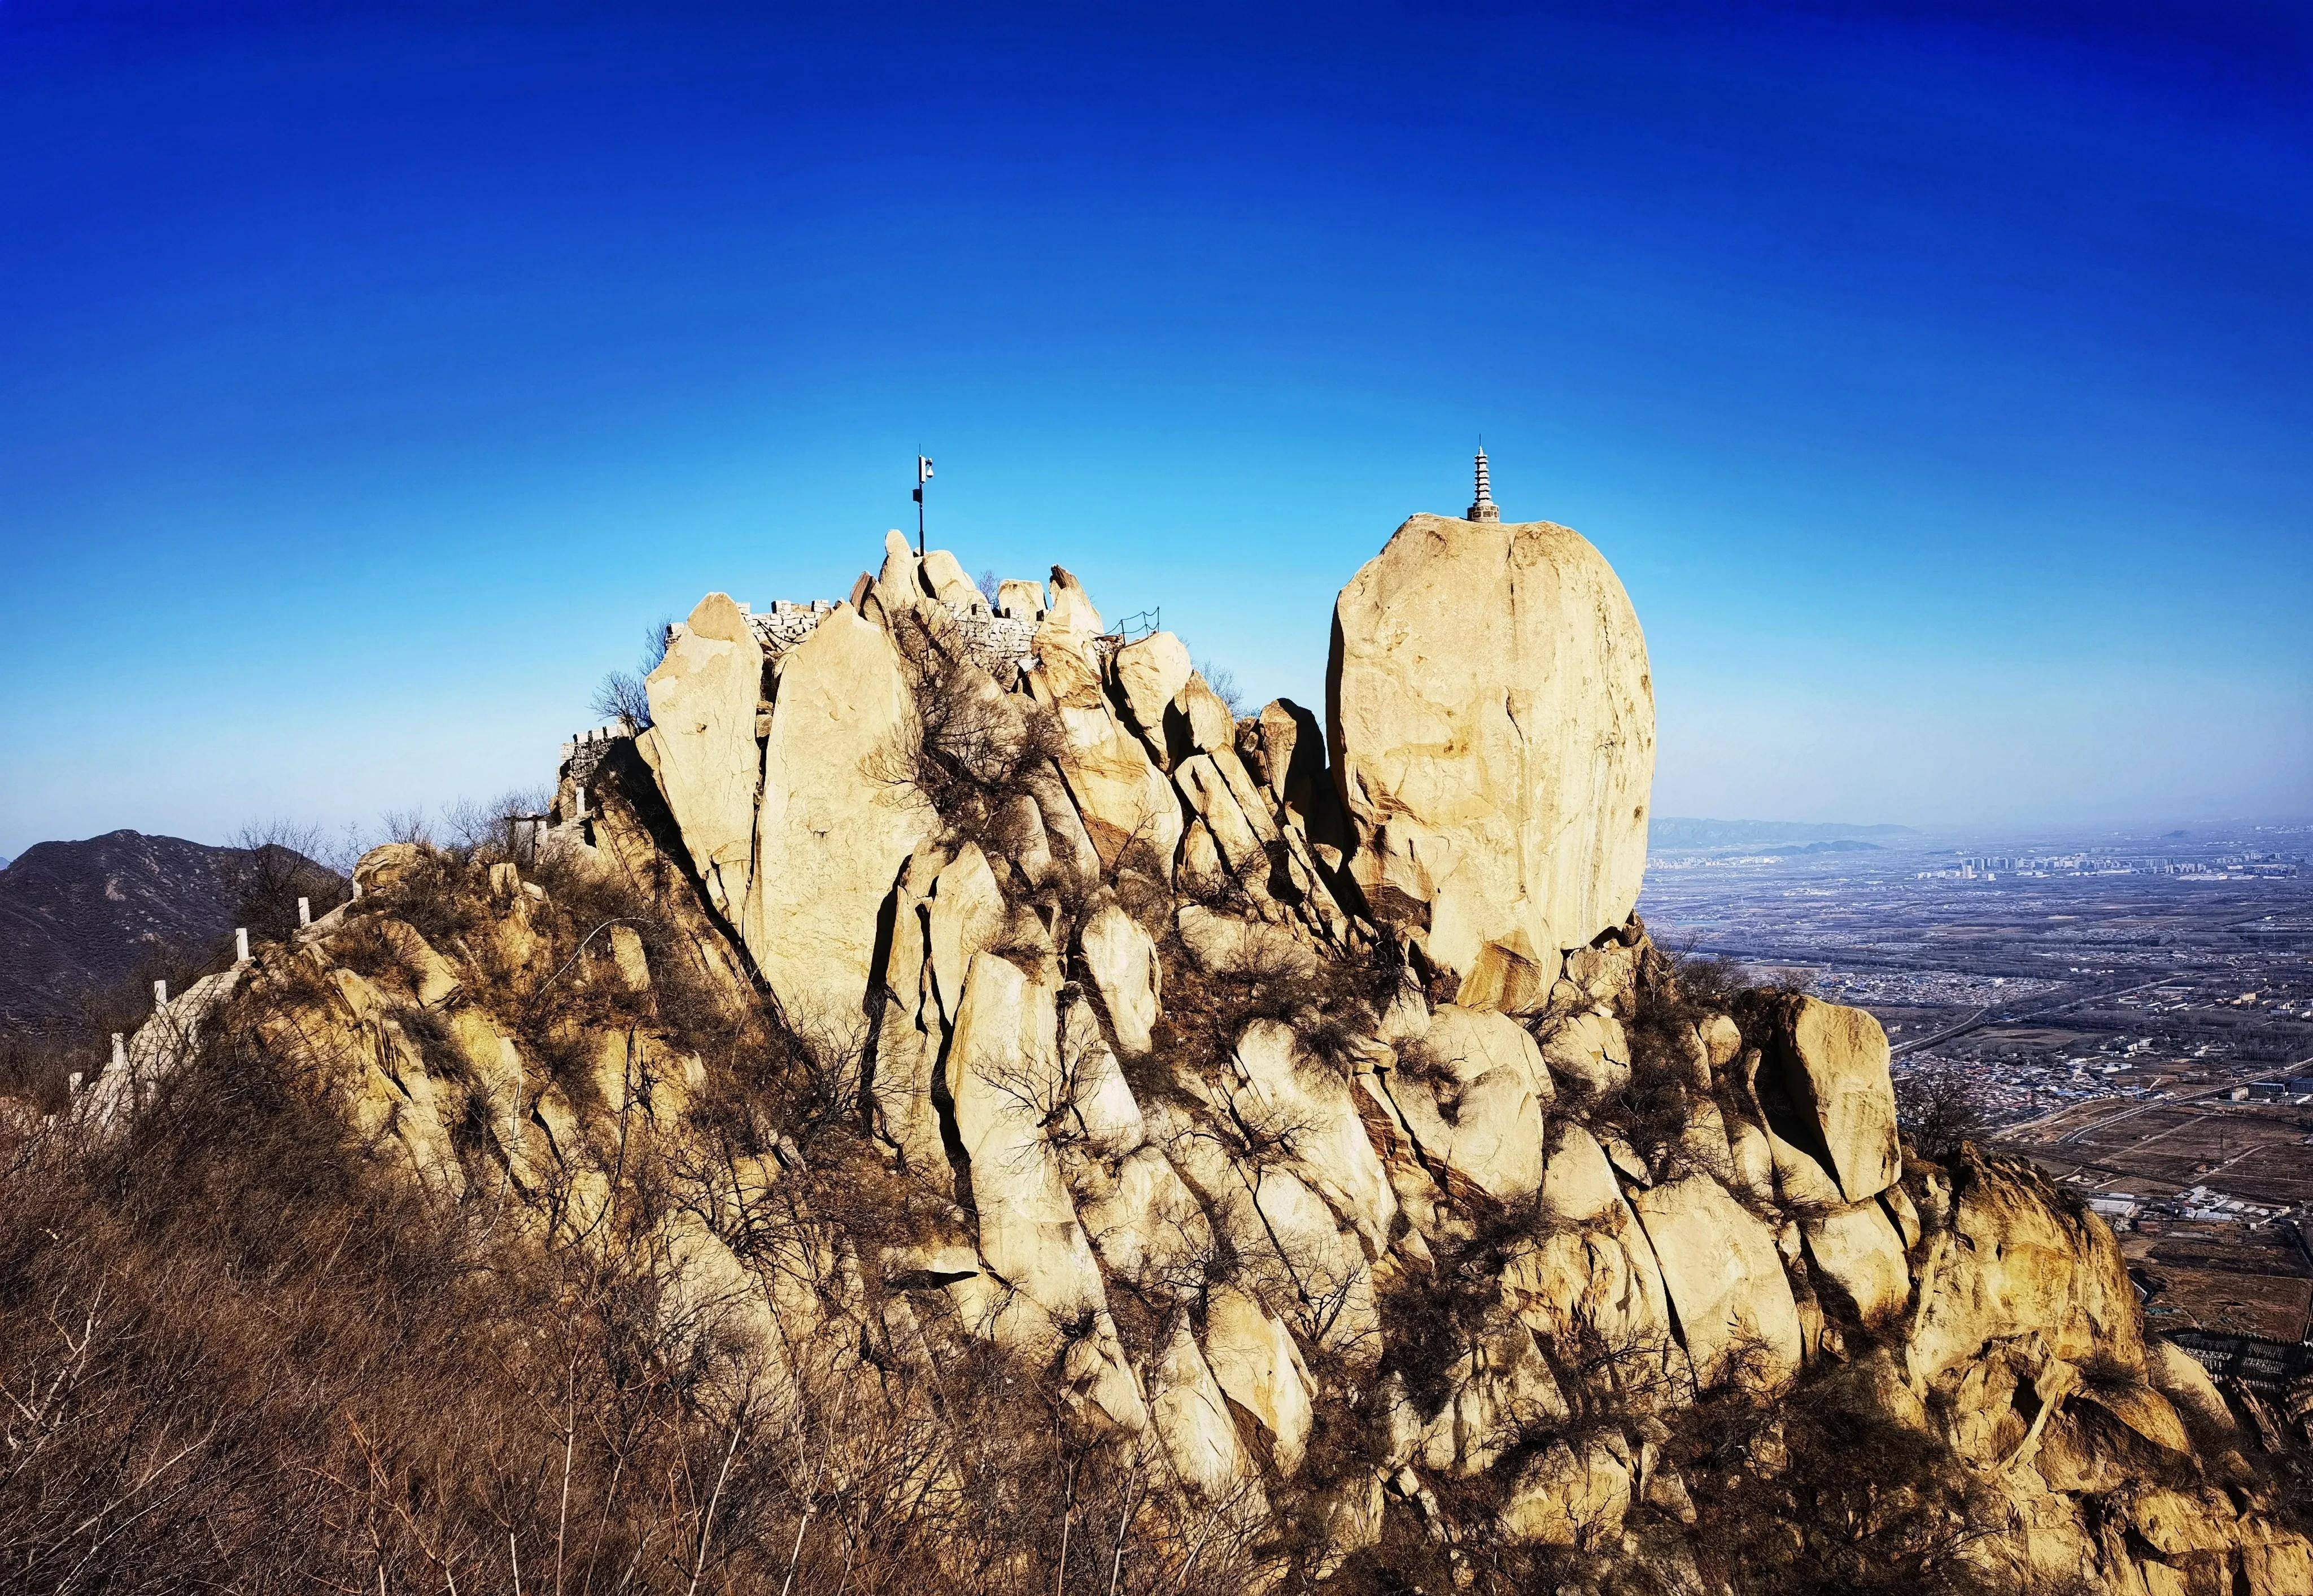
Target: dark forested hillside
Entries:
(76, 917)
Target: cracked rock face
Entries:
(1492, 725)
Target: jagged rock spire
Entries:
(1483, 509)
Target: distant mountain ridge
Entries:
(77, 916)
(1675, 830)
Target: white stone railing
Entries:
(993, 637)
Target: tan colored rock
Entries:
(1005, 1065)
(1723, 1039)
(1121, 959)
(1314, 1108)
(393, 1097)
(1491, 720)
(1499, 1391)
(1604, 973)
(1191, 1417)
(1253, 1359)
(913, 1029)
(1197, 721)
(2016, 1260)
(1590, 1053)
(497, 1066)
(1511, 978)
(1099, 1099)
(1752, 1160)
(384, 867)
(2278, 1565)
(1734, 1307)
(1465, 1044)
(1858, 1249)
(962, 914)
(1068, 608)
(948, 584)
(1021, 601)
(1148, 1227)
(2141, 1410)
(1564, 1499)
(1070, 843)
(836, 822)
(2178, 1376)
(1479, 1141)
(899, 586)
(1833, 1061)
(694, 937)
(700, 745)
(627, 958)
(1289, 1246)
(1241, 854)
(433, 977)
(1150, 674)
(1123, 800)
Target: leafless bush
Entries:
(239, 1353)
(282, 864)
(1782, 1506)
(496, 831)
(1223, 682)
(977, 748)
(1937, 1106)
(622, 698)
(1331, 1005)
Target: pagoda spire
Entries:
(1484, 508)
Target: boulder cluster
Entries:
(1305, 1111)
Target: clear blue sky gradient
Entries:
(1938, 377)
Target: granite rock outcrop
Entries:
(1308, 1115)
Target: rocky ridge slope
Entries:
(1304, 1116)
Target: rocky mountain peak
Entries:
(1305, 1116)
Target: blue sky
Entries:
(1938, 377)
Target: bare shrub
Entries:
(495, 832)
(1939, 1108)
(1223, 682)
(1331, 1006)
(1782, 1506)
(282, 864)
(977, 748)
(621, 699)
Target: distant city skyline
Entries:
(1937, 386)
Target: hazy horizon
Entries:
(1937, 386)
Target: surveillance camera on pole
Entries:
(923, 475)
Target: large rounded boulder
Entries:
(1492, 727)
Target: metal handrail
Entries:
(1133, 628)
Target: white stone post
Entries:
(305, 911)
(160, 994)
(582, 803)
(240, 944)
(119, 1051)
